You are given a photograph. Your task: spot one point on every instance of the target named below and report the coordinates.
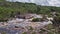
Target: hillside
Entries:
(10, 9)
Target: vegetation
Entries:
(56, 21)
(3, 32)
(33, 32)
(35, 20)
(30, 28)
(24, 33)
(10, 9)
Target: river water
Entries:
(12, 24)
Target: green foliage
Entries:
(30, 28)
(50, 33)
(9, 9)
(24, 33)
(2, 0)
(36, 20)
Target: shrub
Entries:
(36, 20)
(24, 33)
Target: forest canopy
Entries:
(10, 9)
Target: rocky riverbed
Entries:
(21, 25)
(18, 26)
